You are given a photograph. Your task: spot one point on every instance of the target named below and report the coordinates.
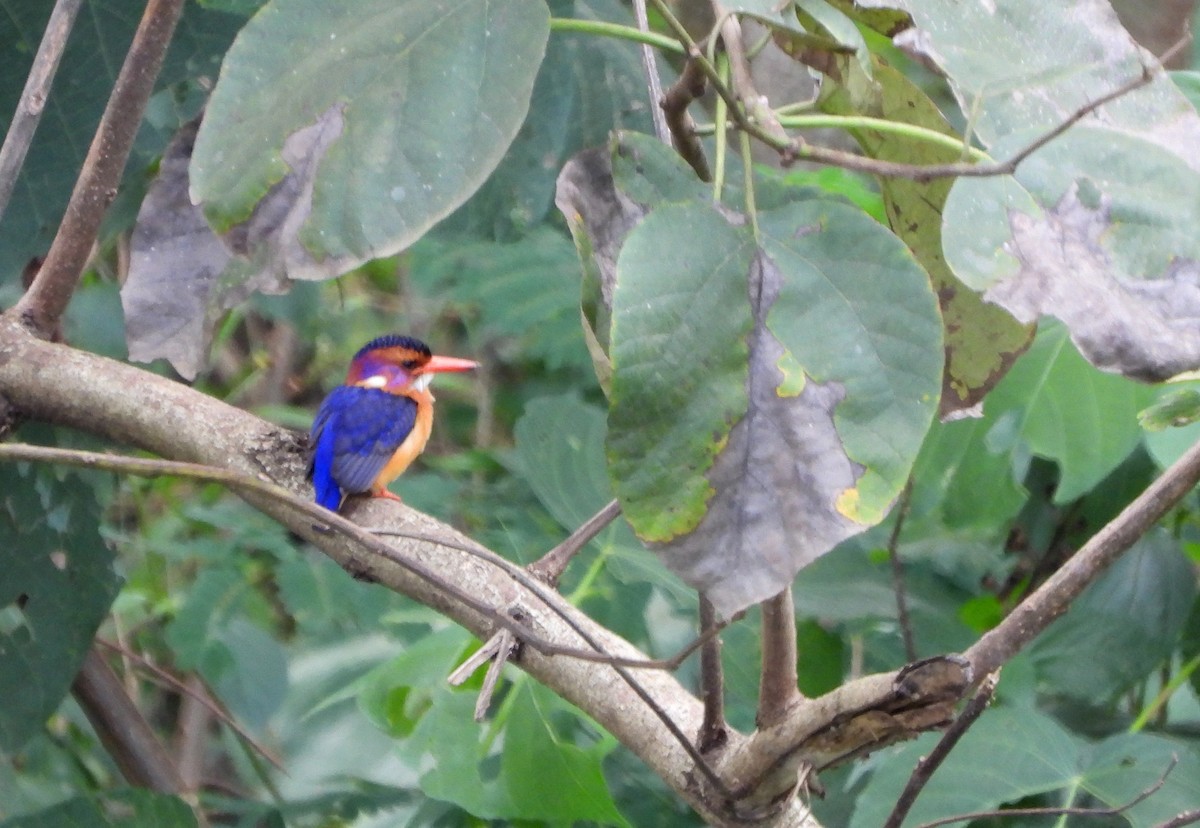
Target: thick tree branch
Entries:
(33, 98)
(930, 763)
(714, 730)
(59, 384)
(850, 721)
(1053, 597)
(100, 177)
(778, 690)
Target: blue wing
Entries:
(356, 432)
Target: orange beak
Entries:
(444, 364)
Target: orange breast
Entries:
(413, 444)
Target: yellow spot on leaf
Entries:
(793, 376)
(848, 504)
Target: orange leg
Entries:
(386, 495)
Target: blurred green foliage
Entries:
(345, 682)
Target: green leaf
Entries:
(1008, 754)
(1125, 625)
(195, 634)
(1172, 410)
(414, 105)
(560, 448)
(955, 464)
(127, 808)
(587, 87)
(56, 586)
(732, 419)
(547, 775)
(680, 349)
(323, 599)
(982, 340)
(256, 682)
(1120, 768)
(1055, 405)
(1189, 645)
(397, 694)
(863, 322)
(1097, 227)
(522, 294)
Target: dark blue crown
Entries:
(395, 341)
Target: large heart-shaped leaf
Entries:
(1096, 228)
(343, 141)
(769, 393)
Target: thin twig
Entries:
(757, 107)
(792, 149)
(687, 87)
(928, 764)
(778, 691)
(653, 81)
(898, 587)
(713, 729)
(1008, 813)
(1179, 820)
(538, 589)
(166, 678)
(47, 298)
(33, 98)
(506, 648)
(550, 567)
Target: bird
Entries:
(371, 428)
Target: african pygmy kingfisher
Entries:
(370, 429)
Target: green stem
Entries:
(600, 27)
(1168, 690)
(748, 174)
(585, 583)
(722, 110)
(917, 133)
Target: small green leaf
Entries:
(982, 340)
(1173, 410)
(560, 447)
(1055, 405)
(127, 808)
(1121, 768)
(549, 775)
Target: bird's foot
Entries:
(386, 495)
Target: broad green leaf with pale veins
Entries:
(366, 124)
(1097, 228)
(769, 394)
